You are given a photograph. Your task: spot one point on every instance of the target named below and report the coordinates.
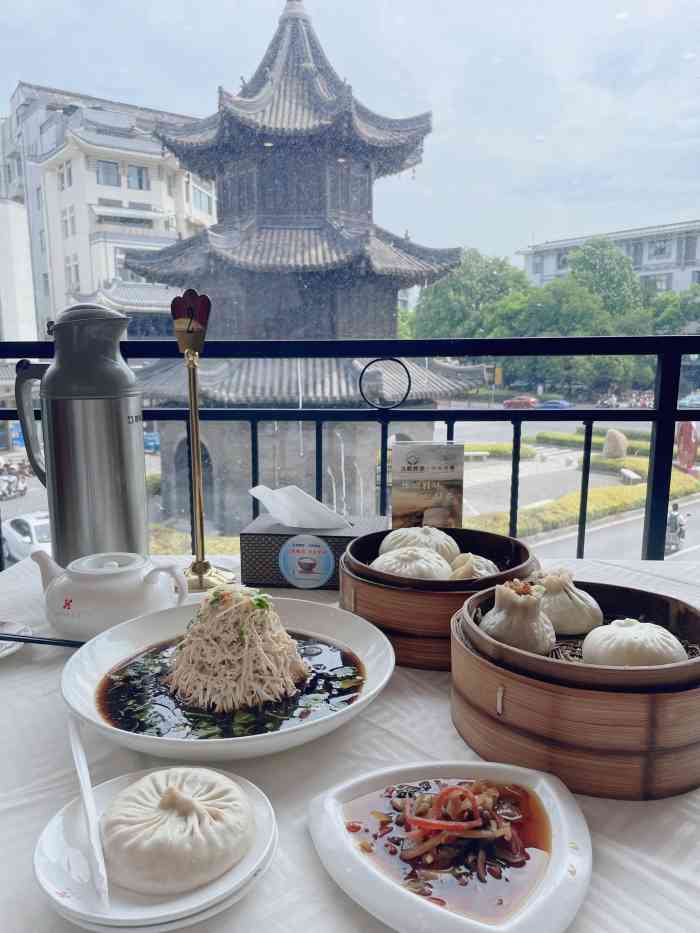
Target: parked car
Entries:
(22, 534)
(690, 401)
(521, 401)
(151, 442)
(556, 404)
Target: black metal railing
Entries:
(668, 352)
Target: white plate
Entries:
(62, 870)
(12, 628)
(185, 921)
(550, 908)
(85, 669)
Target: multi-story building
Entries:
(17, 320)
(666, 257)
(96, 184)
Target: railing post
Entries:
(515, 479)
(585, 483)
(255, 463)
(384, 467)
(319, 460)
(668, 377)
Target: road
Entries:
(502, 432)
(620, 538)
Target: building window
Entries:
(110, 202)
(69, 174)
(690, 249)
(71, 219)
(138, 178)
(696, 278)
(121, 271)
(67, 272)
(64, 223)
(171, 184)
(538, 264)
(660, 249)
(562, 259)
(61, 177)
(202, 201)
(42, 241)
(635, 251)
(125, 221)
(108, 173)
(140, 206)
(76, 273)
(45, 283)
(39, 198)
(656, 284)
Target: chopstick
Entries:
(36, 640)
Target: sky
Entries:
(552, 118)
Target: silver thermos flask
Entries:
(93, 464)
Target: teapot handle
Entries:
(179, 579)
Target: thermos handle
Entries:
(27, 373)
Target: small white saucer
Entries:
(12, 628)
(193, 918)
(551, 906)
(62, 870)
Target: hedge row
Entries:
(564, 512)
(503, 451)
(169, 541)
(630, 433)
(576, 440)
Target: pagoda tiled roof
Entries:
(294, 249)
(320, 382)
(295, 92)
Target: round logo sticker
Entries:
(306, 562)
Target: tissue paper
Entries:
(293, 507)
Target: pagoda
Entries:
(294, 156)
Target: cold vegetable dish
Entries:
(473, 847)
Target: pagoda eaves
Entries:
(296, 93)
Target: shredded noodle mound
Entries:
(236, 654)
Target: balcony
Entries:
(294, 412)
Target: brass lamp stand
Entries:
(191, 316)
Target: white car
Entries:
(25, 533)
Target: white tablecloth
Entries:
(646, 855)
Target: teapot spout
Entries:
(48, 567)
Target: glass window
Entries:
(202, 201)
(171, 184)
(538, 264)
(8, 172)
(691, 248)
(39, 198)
(61, 177)
(42, 533)
(42, 241)
(563, 259)
(76, 273)
(21, 527)
(64, 223)
(45, 283)
(108, 173)
(69, 174)
(138, 178)
(67, 272)
(71, 218)
(660, 249)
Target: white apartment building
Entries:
(96, 183)
(666, 257)
(17, 317)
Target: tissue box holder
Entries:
(274, 555)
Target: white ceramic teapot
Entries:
(94, 593)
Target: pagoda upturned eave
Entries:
(294, 251)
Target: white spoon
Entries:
(95, 855)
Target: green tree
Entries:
(603, 269)
(406, 323)
(457, 305)
(672, 312)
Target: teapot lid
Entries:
(92, 313)
(103, 565)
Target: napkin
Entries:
(295, 508)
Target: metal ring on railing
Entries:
(388, 359)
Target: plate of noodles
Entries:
(236, 674)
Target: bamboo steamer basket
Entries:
(605, 741)
(617, 602)
(415, 614)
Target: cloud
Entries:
(543, 121)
